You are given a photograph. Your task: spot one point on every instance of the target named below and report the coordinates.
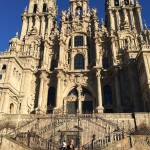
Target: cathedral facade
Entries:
(84, 65)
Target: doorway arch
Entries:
(82, 101)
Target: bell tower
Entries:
(123, 14)
(41, 14)
(78, 6)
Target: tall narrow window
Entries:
(35, 8)
(51, 97)
(44, 7)
(126, 2)
(53, 65)
(1, 76)
(116, 2)
(69, 43)
(79, 12)
(79, 62)
(107, 95)
(11, 108)
(105, 63)
(78, 41)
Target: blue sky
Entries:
(11, 10)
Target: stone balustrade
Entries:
(34, 141)
(105, 141)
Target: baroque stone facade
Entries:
(82, 80)
(86, 65)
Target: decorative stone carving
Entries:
(71, 97)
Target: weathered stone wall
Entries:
(7, 144)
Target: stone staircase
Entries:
(45, 133)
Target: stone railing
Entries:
(105, 141)
(26, 127)
(34, 141)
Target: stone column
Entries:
(132, 19)
(118, 19)
(9, 75)
(118, 93)
(61, 55)
(31, 5)
(114, 50)
(40, 92)
(40, 4)
(1, 101)
(79, 89)
(37, 23)
(45, 96)
(30, 24)
(43, 93)
(100, 108)
(97, 53)
(43, 26)
(111, 20)
(140, 19)
(49, 26)
(6, 103)
(24, 27)
(59, 92)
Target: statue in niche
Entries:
(79, 11)
(141, 40)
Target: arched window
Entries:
(116, 2)
(20, 108)
(78, 41)
(44, 7)
(51, 96)
(1, 76)
(4, 67)
(107, 95)
(74, 92)
(79, 12)
(69, 43)
(35, 8)
(53, 65)
(79, 62)
(126, 2)
(105, 63)
(11, 108)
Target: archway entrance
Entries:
(79, 100)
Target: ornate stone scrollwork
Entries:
(71, 97)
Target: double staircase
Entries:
(93, 131)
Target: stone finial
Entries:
(25, 10)
(137, 2)
(145, 25)
(17, 34)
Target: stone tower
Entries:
(28, 59)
